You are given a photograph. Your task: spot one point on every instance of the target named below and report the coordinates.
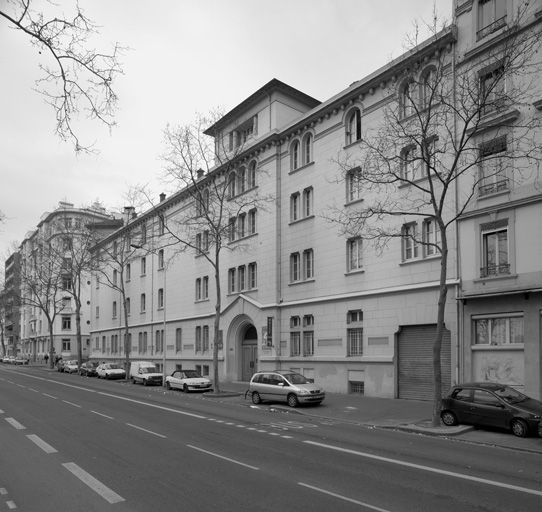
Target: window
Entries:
(492, 90)
(294, 155)
(231, 280)
(295, 343)
(232, 180)
(128, 306)
(431, 237)
(491, 16)
(115, 248)
(295, 267)
(115, 277)
(410, 241)
(241, 225)
(354, 316)
(252, 276)
(160, 298)
(66, 345)
(308, 335)
(66, 283)
(308, 264)
(161, 224)
(252, 222)
(354, 254)
(128, 272)
(205, 340)
(114, 309)
(498, 330)
(202, 201)
(205, 241)
(353, 126)
(143, 266)
(294, 207)
(142, 303)
(241, 180)
(97, 312)
(428, 86)
(159, 341)
(354, 332)
(142, 342)
(492, 167)
(307, 202)
(307, 149)
(241, 274)
(353, 185)
(495, 250)
(231, 229)
(251, 177)
(410, 164)
(406, 97)
(160, 259)
(198, 339)
(66, 323)
(205, 287)
(143, 234)
(178, 340)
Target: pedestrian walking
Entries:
(46, 358)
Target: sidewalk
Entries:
(406, 415)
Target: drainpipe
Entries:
(278, 225)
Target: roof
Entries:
(271, 86)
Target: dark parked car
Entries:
(489, 404)
(88, 369)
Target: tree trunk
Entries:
(127, 341)
(216, 334)
(437, 345)
(51, 346)
(78, 331)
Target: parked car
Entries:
(489, 404)
(286, 386)
(110, 371)
(21, 360)
(8, 359)
(71, 366)
(88, 369)
(188, 380)
(145, 372)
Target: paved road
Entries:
(70, 443)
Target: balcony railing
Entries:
(492, 27)
(495, 270)
(492, 188)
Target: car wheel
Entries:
(448, 418)
(292, 400)
(145, 382)
(185, 388)
(168, 385)
(519, 428)
(256, 398)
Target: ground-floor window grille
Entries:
(357, 387)
(355, 341)
(295, 342)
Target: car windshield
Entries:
(296, 378)
(113, 367)
(148, 369)
(191, 374)
(510, 395)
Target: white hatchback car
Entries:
(110, 371)
(188, 380)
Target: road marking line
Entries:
(145, 430)
(35, 390)
(21, 386)
(71, 403)
(274, 434)
(240, 426)
(97, 486)
(50, 396)
(15, 424)
(262, 431)
(287, 437)
(341, 497)
(46, 447)
(222, 457)
(104, 415)
(428, 468)
(3, 491)
(11, 505)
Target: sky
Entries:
(185, 57)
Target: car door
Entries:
(461, 404)
(488, 410)
(176, 379)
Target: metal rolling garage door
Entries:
(415, 361)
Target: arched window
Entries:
(251, 177)
(232, 178)
(353, 126)
(406, 99)
(307, 149)
(294, 155)
(241, 180)
(428, 87)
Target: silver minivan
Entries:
(284, 386)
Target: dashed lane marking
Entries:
(11, 505)
(71, 403)
(103, 415)
(222, 457)
(50, 396)
(15, 424)
(105, 492)
(34, 390)
(145, 430)
(46, 447)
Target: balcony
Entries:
(492, 27)
(495, 270)
(493, 188)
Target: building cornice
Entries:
(509, 205)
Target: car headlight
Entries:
(304, 392)
(536, 416)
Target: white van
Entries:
(145, 372)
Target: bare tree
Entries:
(3, 311)
(43, 284)
(454, 128)
(76, 78)
(219, 189)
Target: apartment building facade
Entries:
(301, 292)
(10, 304)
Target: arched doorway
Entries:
(249, 352)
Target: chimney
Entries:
(200, 172)
(129, 214)
(162, 197)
